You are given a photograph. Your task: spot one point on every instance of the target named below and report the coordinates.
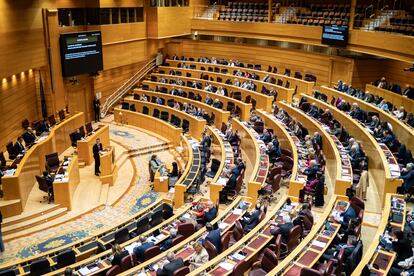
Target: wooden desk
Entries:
(262, 101)
(63, 190)
(284, 94)
(375, 254)
(221, 115)
(404, 132)
(85, 146)
(299, 85)
(196, 127)
(244, 107)
(163, 130)
(109, 170)
(394, 98)
(33, 162)
(377, 162)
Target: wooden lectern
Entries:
(109, 171)
(64, 189)
(85, 146)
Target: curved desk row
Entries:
(378, 166)
(225, 219)
(250, 245)
(308, 252)
(262, 101)
(19, 185)
(244, 107)
(333, 159)
(396, 99)
(196, 125)
(301, 86)
(403, 131)
(221, 116)
(84, 247)
(284, 93)
(375, 255)
(99, 263)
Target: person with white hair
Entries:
(400, 113)
(282, 228)
(171, 265)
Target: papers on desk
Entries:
(161, 237)
(346, 177)
(226, 265)
(153, 239)
(222, 181)
(9, 172)
(223, 225)
(130, 248)
(319, 244)
(40, 139)
(238, 211)
(86, 270)
(93, 269)
(238, 256)
(186, 216)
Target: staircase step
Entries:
(10, 207)
(103, 197)
(29, 215)
(150, 150)
(29, 223)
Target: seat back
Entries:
(182, 271)
(240, 268)
(66, 258)
(82, 131)
(115, 270)
(151, 252)
(276, 183)
(178, 239)
(156, 113)
(306, 271)
(156, 218)
(39, 267)
(10, 150)
(145, 110)
(8, 272)
(128, 262)
(164, 115)
(186, 229)
(167, 210)
(294, 236)
(225, 240)
(262, 216)
(269, 260)
(3, 161)
(211, 249)
(238, 232)
(42, 184)
(142, 225)
(121, 235)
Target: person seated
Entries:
(220, 91)
(282, 228)
(209, 100)
(369, 98)
(217, 104)
(317, 139)
(349, 247)
(356, 112)
(29, 136)
(313, 111)
(266, 137)
(311, 171)
(409, 226)
(140, 249)
(18, 147)
(200, 256)
(345, 215)
(77, 136)
(383, 105)
(408, 92)
(250, 220)
(154, 165)
(170, 266)
(118, 253)
(354, 156)
(210, 213)
(401, 246)
(167, 244)
(234, 139)
(381, 83)
(213, 236)
(410, 119)
(374, 123)
(48, 178)
(407, 175)
(352, 143)
(44, 127)
(400, 113)
(388, 139)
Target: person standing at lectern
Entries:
(97, 108)
(96, 149)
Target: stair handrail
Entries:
(126, 86)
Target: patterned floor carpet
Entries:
(138, 196)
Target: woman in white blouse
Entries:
(199, 258)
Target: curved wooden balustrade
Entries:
(293, 263)
(284, 93)
(377, 255)
(333, 158)
(196, 127)
(227, 158)
(148, 123)
(19, 185)
(101, 260)
(262, 101)
(180, 248)
(394, 98)
(244, 107)
(403, 131)
(221, 115)
(83, 247)
(250, 244)
(378, 167)
(301, 86)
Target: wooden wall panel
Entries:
(17, 102)
(365, 71)
(116, 55)
(166, 22)
(303, 62)
(123, 3)
(121, 33)
(394, 72)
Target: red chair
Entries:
(128, 262)
(182, 271)
(266, 264)
(151, 252)
(115, 270)
(276, 246)
(273, 187)
(237, 233)
(177, 240)
(211, 249)
(240, 268)
(185, 229)
(225, 240)
(293, 241)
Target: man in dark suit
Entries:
(96, 149)
(29, 136)
(354, 155)
(312, 170)
(213, 236)
(140, 249)
(401, 246)
(317, 139)
(173, 264)
(76, 137)
(313, 111)
(282, 228)
(407, 175)
(97, 108)
(408, 92)
(266, 137)
(250, 221)
(211, 213)
(168, 243)
(18, 146)
(346, 215)
(349, 247)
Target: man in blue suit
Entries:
(313, 112)
(250, 221)
(407, 175)
(213, 236)
(140, 250)
(346, 215)
(211, 213)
